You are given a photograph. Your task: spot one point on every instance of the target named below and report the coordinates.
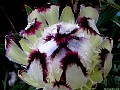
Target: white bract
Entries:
(61, 54)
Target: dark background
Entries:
(15, 11)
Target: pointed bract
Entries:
(26, 78)
(51, 14)
(14, 53)
(67, 15)
(35, 14)
(26, 45)
(89, 12)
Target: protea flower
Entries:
(61, 53)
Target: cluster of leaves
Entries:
(108, 24)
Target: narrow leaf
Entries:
(2, 47)
(113, 4)
(106, 16)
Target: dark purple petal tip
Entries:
(8, 39)
(70, 58)
(44, 8)
(103, 55)
(84, 23)
(41, 57)
(32, 28)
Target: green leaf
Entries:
(22, 86)
(5, 81)
(117, 23)
(118, 45)
(113, 4)
(28, 9)
(53, 1)
(106, 16)
(31, 88)
(2, 48)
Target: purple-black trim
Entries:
(70, 59)
(41, 57)
(110, 39)
(103, 55)
(44, 8)
(8, 38)
(62, 39)
(32, 29)
(83, 23)
(48, 37)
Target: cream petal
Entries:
(107, 64)
(84, 49)
(35, 72)
(36, 14)
(92, 24)
(39, 32)
(26, 78)
(14, 53)
(89, 12)
(66, 28)
(96, 40)
(79, 79)
(39, 69)
(107, 43)
(67, 15)
(56, 70)
(51, 14)
(48, 47)
(32, 71)
(86, 52)
(94, 60)
(56, 65)
(33, 40)
(26, 45)
(96, 75)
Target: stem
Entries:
(9, 20)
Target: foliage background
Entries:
(13, 17)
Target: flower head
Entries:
(61, 53)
